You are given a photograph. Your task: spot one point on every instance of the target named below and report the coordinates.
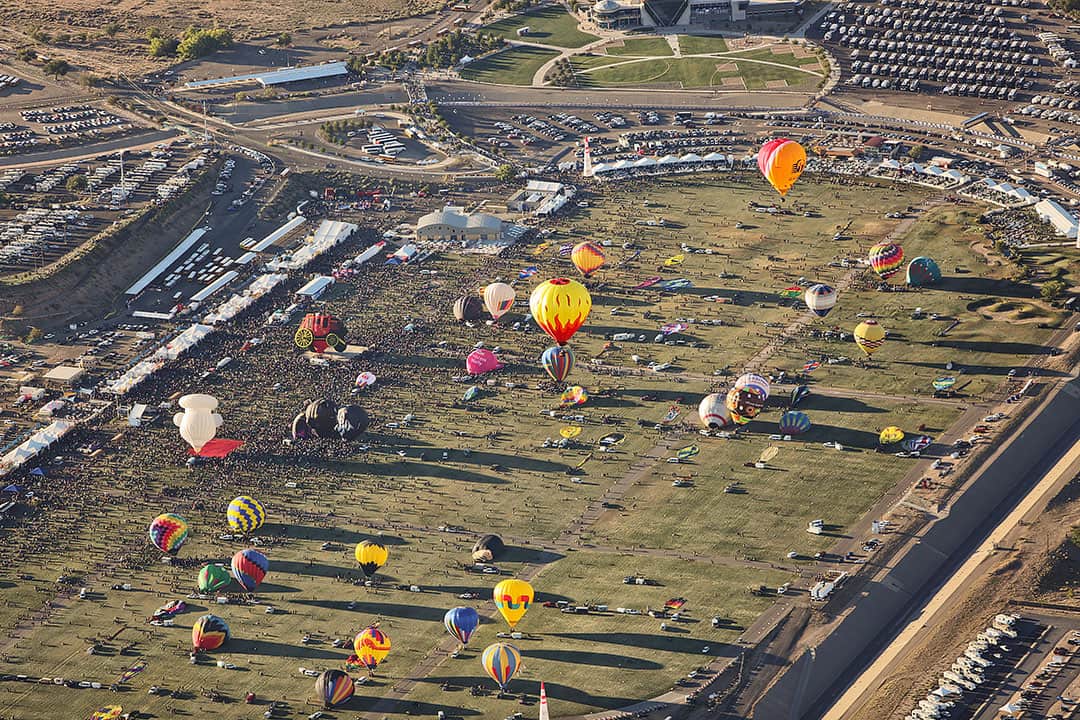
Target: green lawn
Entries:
(515, 66)
(551, 25)
(700, 44)
(689, 72)
(756, 76)
(766, 54)
(642, 47)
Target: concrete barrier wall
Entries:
(822, 673)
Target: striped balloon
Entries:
(461, 622)
(886, 259)
(869, 336)
(372, 646)
(588, 257)
(249, 568)
(820, 299)
(334, 687)
(794, 422)
(558, 361)
(245, 514)
(502, 661)
(209, 633)
(168, 532)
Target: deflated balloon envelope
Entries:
(321, 417)
(487, 548)
(352, 420)
(324, 419)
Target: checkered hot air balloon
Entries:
(245, 514)
(886, 259)
(794, 422)
(168, 532)
(249, 567)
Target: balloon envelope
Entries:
(168, 532)
(371, 556)
(923, 271)
(513, 598)
(754, 381)
(781, 161)
(245, 514)
(588, 257)
(800, 392)
(320, 417)
(713, 411)
(574, 395)
(487, 548)
(461, 622)
(557, 362)
(482, 361)
(886, 259)
(498, 299)
(502, 662)
(209, 633)
(560, 307)
(249, 567)
(319, 332)
(198, 423)
(212, 578)
(467, 308)
(869, 336)
(890, 435)
(820, 299)
(794, 422)
(372, 646)
(334, 687)
(744, 403)
(352, 420)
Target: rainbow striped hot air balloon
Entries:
(794, 422)
(502, 661)
(560, 306)
(558, 361)
(588, 257)
(886, 259)
(781, 161)
(461, 622)
(333, 688)
(168, 533)
(372, 646)
(209, 633)
(245, 514)
(249, 567)
(869, 336)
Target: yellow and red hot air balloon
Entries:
(513, 598)
(560, 307)
(781, 161)
(372, 646)
(588, 257)
(869, 336)
(209, 633)
(886, 259)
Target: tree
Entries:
(57, 67)
(27, 55)
(89, 80)
(63, 38)
(76, 184)
(284, 39)
(504, 173)
(162, 47)
(1052, 289)
(153, 32)
(916, 152)
(112, 28)
(33, 335)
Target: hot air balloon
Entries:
(943, 383)
(560, 307)
(333, 687)
(574, 395)
(319, 331)
(502, 662)
(744, 404)
(923, 271)
(249, 567)
(869, 336)
(352, 421)
(890, 435)
(588, 257)
(798, 394)
(781, 161)
(320, 417)
(713, 411)
(468, 308)
(372, 646)
(513, 598)
(820, 299)
(371, 556)
(558, 361)
(366, 379)
(245, 514)
(168, 532)
(209, 633)
(794, 422)
(482, 361)
(916, 443)
(487, 548)
(886, 259)
(198, 423)
(212, 578)
(498, 299)
(461, 622)
(755, 381)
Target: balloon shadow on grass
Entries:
(659, 641)
(414, 612)
(242, 646)
(578, 657)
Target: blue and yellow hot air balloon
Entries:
(513, 598)
(588, 257)
(461, 622)
(209, 633)
(560, 307)
(372, 646)
(794, 422)
(558, 361)
(168, 533)
(781, 161)
(923, 271)
(502, 661)
(334, 687)
(245, 514)
(249, 567)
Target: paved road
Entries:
(83, 152)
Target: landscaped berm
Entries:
(610, 509)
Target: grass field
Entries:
(482, 466)
(694, 72)
(701, 44)
(515, 66)
(551, 25)
(643, 47)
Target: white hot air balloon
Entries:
(198, 423)
(820, 299)
(713, 411)
(498, 299)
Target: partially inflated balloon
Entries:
(372, 646)
(245, 514)
(574, 395)
(869, 336)
(890, 435)
(371, 556)
(467, 307)
(168, 533)
(820, 299)
(502, 662)
(487, 548)
(212, 578)
(744, 403)
(560, 307)
(588, 257)
(333, 687)
(794, 422)
(513, 598)
(461, 622)
(886, 259)
(249, 568)
(781, 161)
(923, 271)
(713, 411)
(352, 421)
(498, 299)
(755, 381)
(209, 633)
(558, 361)
(482, 361)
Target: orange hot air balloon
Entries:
(588, 257)
(560, 307)
(781, 161)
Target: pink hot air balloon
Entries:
(482, 361)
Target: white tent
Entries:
(33, 445)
